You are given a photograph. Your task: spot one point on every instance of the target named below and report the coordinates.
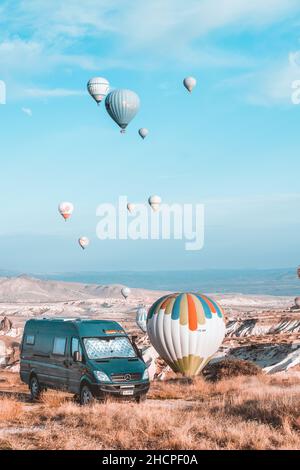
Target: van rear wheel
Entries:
(86, 396)
(35, 388)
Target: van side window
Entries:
(30, 339)
(59, 346)
(75, 346)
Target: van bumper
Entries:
(117, 390)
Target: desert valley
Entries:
(247, 397)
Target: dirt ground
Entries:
(243, 412)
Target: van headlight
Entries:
(145, 375)
(101, 376)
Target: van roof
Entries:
(85, 327)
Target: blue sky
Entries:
(232, 144)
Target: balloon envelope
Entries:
(186, 329)
(84, 242)
(154, 202)
(143, 132)
(66, 209)
(130, 207)
(190, 83)
(122, 106)
(98, 88)
(125, 291)
(141, 318)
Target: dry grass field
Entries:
(237, 412)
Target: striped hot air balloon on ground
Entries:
(186, 329)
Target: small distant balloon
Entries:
(125, 291)
(98, 88)
(154, 202)
(189, 83)
(84, 242)
(122, 106)
(143, 132)
(141, 318)
(130, 207)
(66, 209)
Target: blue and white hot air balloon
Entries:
(141, 318)
(143, 132)
(98, 88)
(122, 106)
(125, 291)
(190, 83)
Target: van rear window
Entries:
(30, 339)
(59, 346)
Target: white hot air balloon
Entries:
(125, 291)
(141, 318)
(130, 207)
(189, 83)
(66, 209)
(143, 132)
(154, 202)
(84, 242)
(186, 329)
(98, 87)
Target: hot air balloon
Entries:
(125, 291)
(190, 83)
(122, 106)
(155, 202)
(141, 318)
(66, 209)
(143, 132)
(98, 88)
(297, 302)
(130, 207)
(84, 242)
(186, 329)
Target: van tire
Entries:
(141, 398)
(86, 397)
(35, 388)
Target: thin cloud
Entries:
(27, 111)
(149, 34)
(52, 93)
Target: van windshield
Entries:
(100, 348)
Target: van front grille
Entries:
(125, 377)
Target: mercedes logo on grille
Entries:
(127, 377)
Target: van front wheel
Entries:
(35, 388)
(141, 398)
(86, 396)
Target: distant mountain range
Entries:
(82, 285)
(27, 289)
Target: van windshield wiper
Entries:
(123, 357)
(107, 359)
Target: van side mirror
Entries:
(139, 352)
(77, 357)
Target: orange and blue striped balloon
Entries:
(186, 329)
